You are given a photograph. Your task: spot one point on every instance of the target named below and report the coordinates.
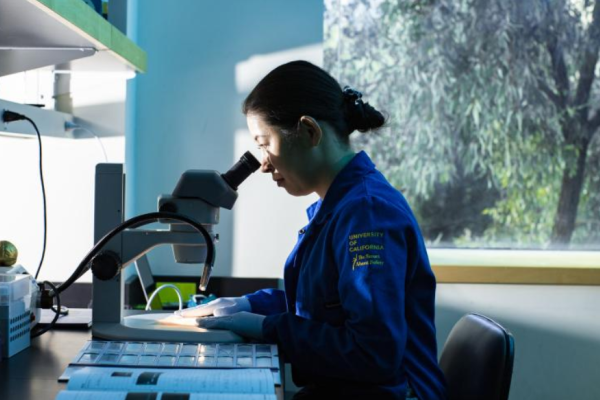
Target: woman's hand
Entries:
(218, 307)
(243, 323)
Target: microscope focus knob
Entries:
(168, 207)
(106, 265)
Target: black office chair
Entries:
(477, 359)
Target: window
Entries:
(494, 114)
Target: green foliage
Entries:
(470, 87)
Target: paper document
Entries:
(246, 381)
(65, 395)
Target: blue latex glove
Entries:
(243, 323)
(218, 307)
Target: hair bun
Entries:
(360, 116)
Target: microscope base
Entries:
(134, 329)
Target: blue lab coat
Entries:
(357, 314)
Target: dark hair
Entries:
(300, 88)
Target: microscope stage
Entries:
(164, 327)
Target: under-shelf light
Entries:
(128, 74)
(13, 48)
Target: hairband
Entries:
(352, 95)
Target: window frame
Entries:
(546, 267)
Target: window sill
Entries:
(516, 266)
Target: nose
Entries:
(265, 165)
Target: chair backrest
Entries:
(477, 359)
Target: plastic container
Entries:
(15, 313)
(14, 287)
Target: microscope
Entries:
(191, 212)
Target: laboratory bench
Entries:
(33, 373)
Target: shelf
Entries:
(69, 33)
(49, 122)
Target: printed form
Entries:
(169, 384)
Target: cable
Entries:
(41, 331)
(64, 310)
(43, 197)
(10, 116)
(70, 125)
(167, 285)
(138, 221)
(99, 142)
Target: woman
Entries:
(357, 315)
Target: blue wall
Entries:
(182, 114)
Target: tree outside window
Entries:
(494, 113)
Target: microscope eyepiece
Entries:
(241, 170)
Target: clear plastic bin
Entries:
(13, 288)
(15, 313)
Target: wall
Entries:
(185, 111)
(68, 166)
(556, 331)
(267, 218)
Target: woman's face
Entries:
(288, 160)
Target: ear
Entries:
(312, 129)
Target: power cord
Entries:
(64, 310)
(167, 285)
(57, 311)
(73, 126)
(10, 116)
